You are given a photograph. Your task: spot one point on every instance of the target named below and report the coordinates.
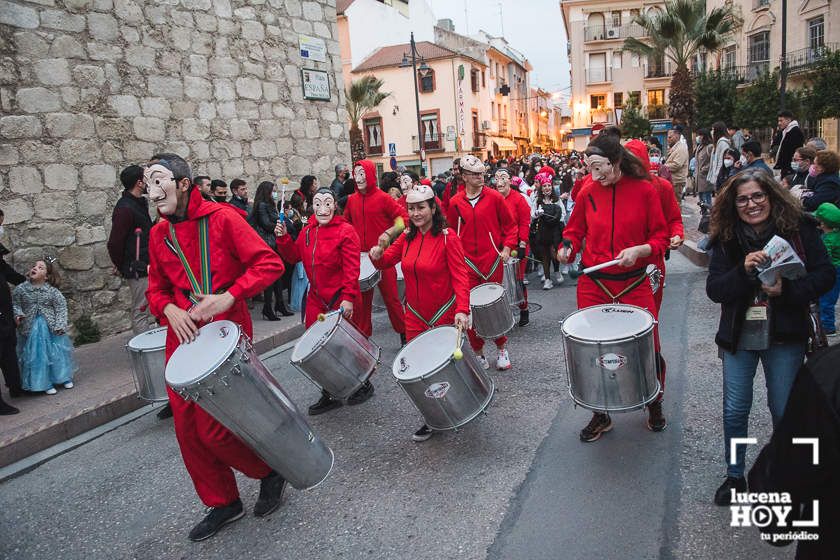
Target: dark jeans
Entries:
(9, 361)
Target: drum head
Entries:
(198, 359)
(485, 294)
(607, 322)
(314, 336)
(366, 268)
(425, 354)
(154, 339)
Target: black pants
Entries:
(9, 361)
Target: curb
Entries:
(697, 256)
(90, 418)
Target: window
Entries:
(493, 110)
(656, 97)
(474, 80)
(618, 99)
(616, 59)
(431, 130)
(635, 97)
(426, 80)
(760, 48)
(729, 58)
(477, 143)
(816, 33)
(616, 19)
(483, 83)
(634, 60)
(598, 101)
(597, 71)
(373, 135)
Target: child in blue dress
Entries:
(45, 352)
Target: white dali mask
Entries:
(323, 205)
(162, 188)
(602, 170)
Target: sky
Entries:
(533, 27)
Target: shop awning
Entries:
(504, 144)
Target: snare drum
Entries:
(147, 352)
(368, 274)
(335, 356)
(610, 357)
(491, 314)
(447, 392)
(511, 283)
(220, 371)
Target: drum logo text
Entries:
(437, 390)
(616, 310)
(611, 361)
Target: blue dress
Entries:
(46, 358)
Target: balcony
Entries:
(657, 112)
(479, 141)
(802, 59)
(430, 142)
(503, 126)
(374, 150)
(597, 75)
(661, 70)
(608, 33)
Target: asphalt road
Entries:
(514, 484)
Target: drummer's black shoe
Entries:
(364, 393)
(271, 494)
(599, 424)
(723, 496)
(422, 434)
(324, 404)
(656, 420)
(524, 317)
(165, 412)
(216, 519)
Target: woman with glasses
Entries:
(759, 321)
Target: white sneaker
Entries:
(68, 385)
(558, 278)
(547, 284)
(503, 361)
(482, 361)
(542, 277)
(51, 391)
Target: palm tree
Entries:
(678, 34)
(362, 96)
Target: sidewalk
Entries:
(691, 218)
(104, 391)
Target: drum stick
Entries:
(323, 316)
(459, 227)
(598, 267)
(458, 354)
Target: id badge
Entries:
(755, 333)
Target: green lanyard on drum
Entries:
(206, 285)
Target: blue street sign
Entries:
(392, 150)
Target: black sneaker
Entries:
(165, 412)
(324, 404)
(216, 519)
(599, 424)
(6, 409)
(271, 494)
(364, 393)
(656, 420)
(723, 495)
(423, 433)
(524, 317)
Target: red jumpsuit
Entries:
(330, 257)
(371, 214)
(435, 273)
(521, 212)
(489, 217)
(244, 265)
(613, 218)
(447, 194)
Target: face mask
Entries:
(728, 163)
(743, 160)
(220, 198)
(161, 186)
(698, 139)
(275, 196)
(812, 171)
(655, 159)
(794, 166)
(324, 207)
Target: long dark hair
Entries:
(705, 138)
(609, 147)
(263, 194)
(541, 196)
(438, 221)
(785, 212)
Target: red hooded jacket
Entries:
(373, 211)
(240, 262)
(670, 206)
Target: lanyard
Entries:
(633, 285)
(440, 312)
(205, 286)
(477, 271)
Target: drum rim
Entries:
(425, 375)
(566, 334)
(320, 343)
(152, 349)
(211, 371)
(494, 302)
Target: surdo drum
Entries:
(335, 356)
(220, 371)
(147, 352)
(447, 392)
(511, 283)
(490, 310)
(369, 275)
(610, 357)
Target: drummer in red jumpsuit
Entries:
(670, 208)
(454, 186)
(619, 215)
(240, 266)
(329, 249)
(374, 215)
(521, 211)
(488, 233)
(437, 290)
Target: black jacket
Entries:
(263, 218)
(8, 275)
(241, 204)
(729, 285)
(792, 140)
(813, 411)
(826, 188)
(133, 264)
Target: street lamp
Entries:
(423, 67)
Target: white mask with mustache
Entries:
(161, 186)
(324, 206)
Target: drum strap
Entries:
(205, 286)
(475, 269)
(633, 285)
(440, 312)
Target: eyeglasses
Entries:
(756, 198)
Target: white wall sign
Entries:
(316, 84)
(312, 48)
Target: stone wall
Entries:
(90, 86)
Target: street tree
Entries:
(633, 123)
(823, 99)
(757, 105)
(714, 95)
(678, 34)
(362, 96)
